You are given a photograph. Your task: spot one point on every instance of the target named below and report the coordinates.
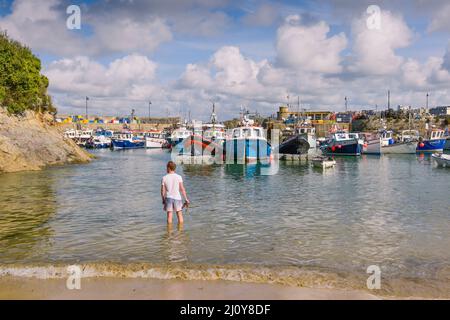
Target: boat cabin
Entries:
(248, 133)
(437, 134)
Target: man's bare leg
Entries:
(180, 217)
(169, 217)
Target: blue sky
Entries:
(183, 54)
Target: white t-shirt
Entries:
(171, 182)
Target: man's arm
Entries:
(183, 192)
(163, 193)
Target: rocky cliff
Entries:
(31, 142)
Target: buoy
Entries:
(421, 144)
(365, 145)
(333, 148)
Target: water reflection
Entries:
(28, 202)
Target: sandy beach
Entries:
(155, 289)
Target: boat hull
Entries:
(155, 143)
(442, 160)
(247, 150)
(294, 145)
(127, 144)
(400, 148)
(431, 145)
(343, 148)
(372, 147)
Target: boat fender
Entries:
(421, 144)
(333, 148)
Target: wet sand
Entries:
(155, 289)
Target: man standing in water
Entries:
(171, 190)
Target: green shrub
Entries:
(22, 86)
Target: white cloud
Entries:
(42, 26)
(308, 47)
(131, 78)
(374, 49)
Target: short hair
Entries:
(171, 166)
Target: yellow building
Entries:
(315, 116)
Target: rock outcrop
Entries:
(32, 142)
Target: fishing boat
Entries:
(434, 143)
(323, 162)
(247, 143)
(442, 160)
(80, 137)
(178, 135)
(341, 143)
(302, 141)
(213, 133)
(407, 147)
(155, 140)
(100, 140)
(295, 144)
(127, 140)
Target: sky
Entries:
(184, 55)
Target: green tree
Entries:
(22, 86)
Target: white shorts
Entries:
(173, 205)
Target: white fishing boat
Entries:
(179, 135)
(155, 139)
(81, 137)
(442, 160)
(323, 162)
(408, 147)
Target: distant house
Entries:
(440, 111)
(344, 117)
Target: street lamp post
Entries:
(87, 99)
(149, 106)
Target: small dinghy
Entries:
(442, 160)
(323, 162)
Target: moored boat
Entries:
(434, 143)
(155, 139)
(340, 143)
(178, 135)
(407, 147)
(442, 160)
(127, 141)
(323, 162)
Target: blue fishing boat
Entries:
(435, 142)
(247, 144)
(344, 144)
(127, 141)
